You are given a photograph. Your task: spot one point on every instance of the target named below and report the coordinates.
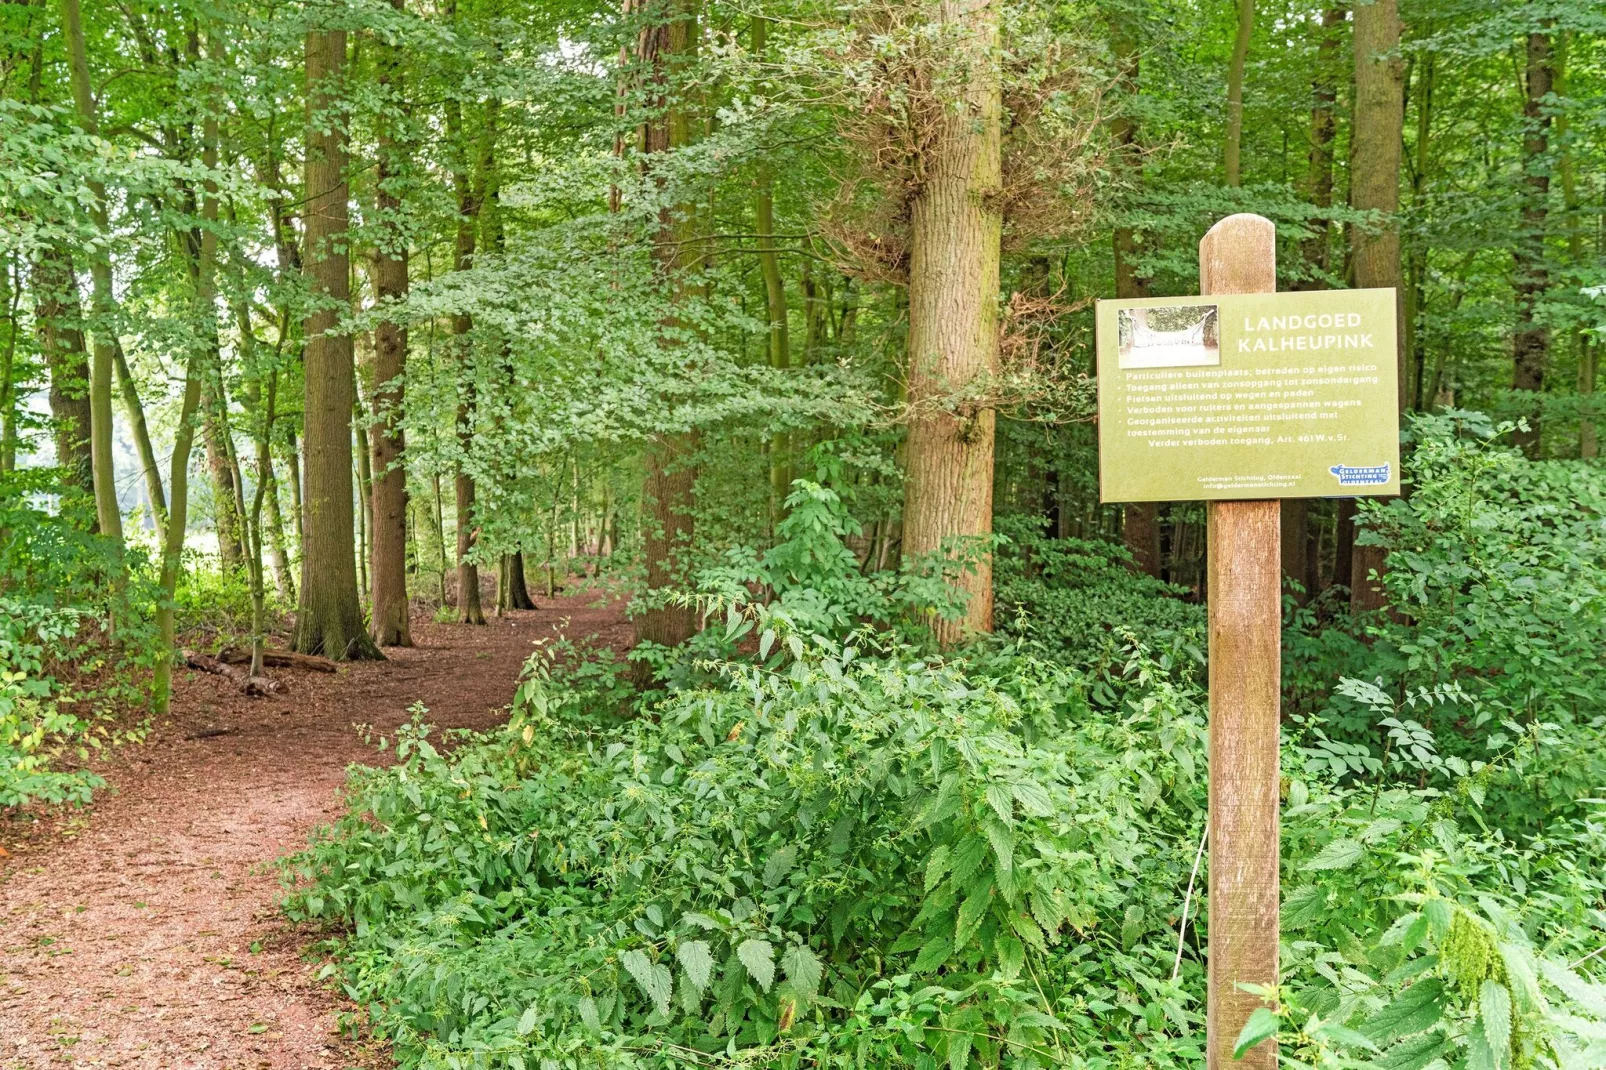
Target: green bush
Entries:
(864, 858)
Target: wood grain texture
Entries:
(1239, 255)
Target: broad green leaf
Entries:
(802, 968)
(1002, 801)
(1494, 1010)
(1413, 1011)
(936, 866)
(1032, 798)
(759, 958)
(654, 980)
(1261, 1027)
(528, 1019)
(589, 1016)
(971, 911)
(1339, 854)
(1413, 1053)
(697, 961)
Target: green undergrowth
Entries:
(852, 855)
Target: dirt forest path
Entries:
(150, 937)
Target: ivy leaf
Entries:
(802, 968)
(1261, 1027)
(654, 980)
(759, 958)
(697, 961)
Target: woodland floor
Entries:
(144, 932)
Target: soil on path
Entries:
(151, 938)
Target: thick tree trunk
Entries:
(1375, 187)
(518, 589)
(1531, 340)
(329, 617)
(56, 318)
(955, 231)
(670, 476)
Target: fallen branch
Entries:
(251, 685)
(279, 659)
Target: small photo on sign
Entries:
(1170, 336)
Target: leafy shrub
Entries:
(34, 723)
(867, 858)
(1079, 598)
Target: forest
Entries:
(549, 534)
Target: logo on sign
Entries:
(1364, 476)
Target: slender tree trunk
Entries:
(955, 233)
(1375, 187)
(298, 506)
(329, 617)
(1298, 540)
(390, 624)
(1140, 521)
(469, 610)
(214, 434)
(10, 299)
(1583, 338)
(61, 341)
(173, 536)
(670, 475)
(365, 519)
(283, 579)
(107, 512)
(779, 344)
(134, 412)
(1233, 151)
(1531, 341)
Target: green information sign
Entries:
(1248, 396)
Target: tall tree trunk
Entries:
(107, 512)
(1140, 521)
(1233, 150)
(670, 475)
(955, 232)
(56, 318)
(329, 616)
(1417, 254)
(298, 486)
(1375, 187)
(365, 499)
(389, 536)
(1531, 341)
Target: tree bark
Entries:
(214, 429)
(329, 616)
(1531, 341)
(1375, 151)
(135, 414)
(955, 232)
(389, 622)
(518, 589)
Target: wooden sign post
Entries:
(1241, 397)
(1239, 256)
